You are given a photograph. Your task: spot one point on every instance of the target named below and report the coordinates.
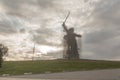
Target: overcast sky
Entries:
(24, 23)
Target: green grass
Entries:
(37, 67)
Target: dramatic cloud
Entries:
(103, 41)
(24, 23)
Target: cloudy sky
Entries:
(24, 23)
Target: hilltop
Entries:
(51, 66)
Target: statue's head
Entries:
(71, 30)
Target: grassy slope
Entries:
(36, 67)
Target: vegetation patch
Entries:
(51, 66)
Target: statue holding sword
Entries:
(70, 37)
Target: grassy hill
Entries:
(44, 66)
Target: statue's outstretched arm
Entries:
(78, 35)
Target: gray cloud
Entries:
(45, 3)
(100, 36)
(10, 25)
(21, 7)
(22, 30)
(40, 21)
(105, 22)
(6, 27)
(43, 37)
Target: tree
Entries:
(4, 49)
(3, 52)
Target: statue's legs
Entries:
(74, 53)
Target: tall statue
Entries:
(70, 38)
